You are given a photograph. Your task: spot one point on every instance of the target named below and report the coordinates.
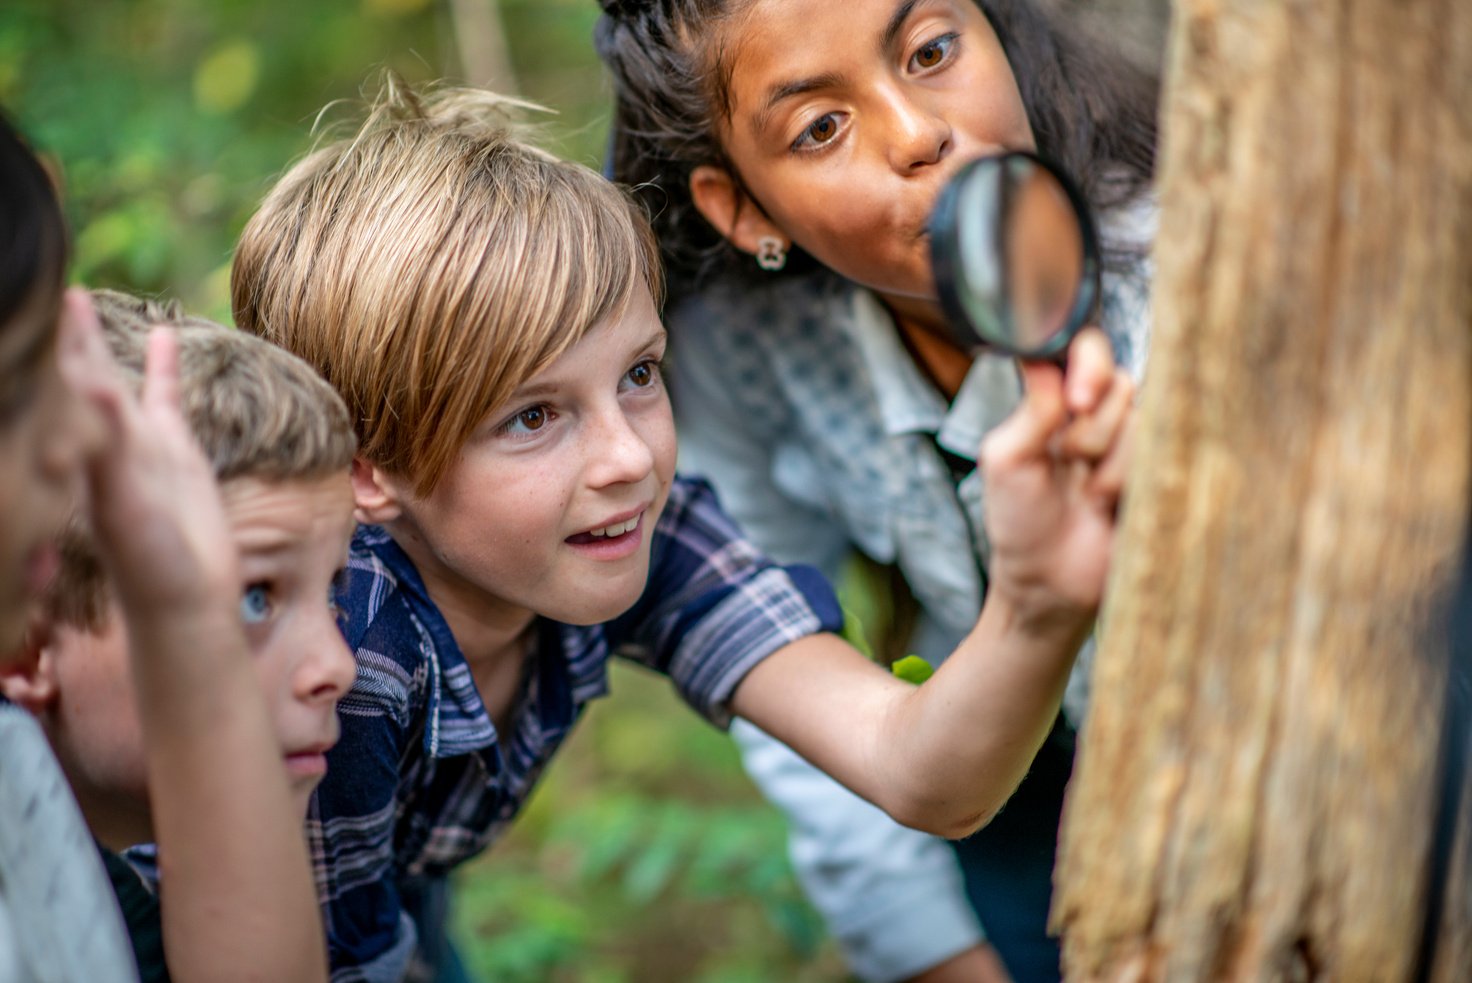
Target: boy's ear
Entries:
(375, 500)
(720, 199)
(28, 680)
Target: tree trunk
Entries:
(1258, 776)
(480, 40)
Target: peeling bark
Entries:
(1256, 781)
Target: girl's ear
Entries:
(375, 498)
(725, 206)
(29, 679)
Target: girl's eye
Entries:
(644, 374)
(529, 420)
(822, 130)
(932, 53)
(255, 604)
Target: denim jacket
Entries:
(799, 402)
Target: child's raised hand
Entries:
(1054, 471)
(152, 500)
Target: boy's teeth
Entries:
(617, 529)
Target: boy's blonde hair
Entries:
(257, 411)
(432, 263)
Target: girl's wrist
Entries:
(1042, 617)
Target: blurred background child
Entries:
(279, 443)
(241, 903)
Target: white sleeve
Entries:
(891, 896)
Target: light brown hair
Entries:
(257, 411)
(430, 264)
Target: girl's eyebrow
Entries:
(786, 90)
(829, 80)
(896, 24)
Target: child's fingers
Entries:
(1106, 483)
(1090, 370)
(86, 364)
(1026, 433)
(161, 371)
(1091, 435)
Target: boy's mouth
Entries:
(613, 529)
(308, 762)
(615, 538)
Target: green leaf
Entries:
(912, 669)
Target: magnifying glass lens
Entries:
(1015, 256)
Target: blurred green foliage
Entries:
(168, 119)
(644, 855)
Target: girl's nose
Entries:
(919, 136)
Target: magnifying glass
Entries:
(1015, 256)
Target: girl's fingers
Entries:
(161, 371)
(1091, 435)
(1090, 370)
(87, 366)
(1107, 481)
(1025, 434)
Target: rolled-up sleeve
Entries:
(714, 606)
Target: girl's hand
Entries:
(1054, 471)
(152, 500)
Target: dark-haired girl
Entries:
(791, 151)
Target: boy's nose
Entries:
(618, 453)
(330, 670)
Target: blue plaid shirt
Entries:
(420, 780)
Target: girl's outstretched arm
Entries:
(945, 756)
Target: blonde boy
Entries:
(279, 443)
(489, 315)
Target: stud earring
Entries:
(771, 253)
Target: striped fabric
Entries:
(421, 781)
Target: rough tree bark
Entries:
(1257, 778)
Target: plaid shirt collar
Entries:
(456, 721)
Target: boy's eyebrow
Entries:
(264, 540)
(536, 389)
(656, 336)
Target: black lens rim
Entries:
(945, 251)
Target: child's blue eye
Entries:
(255, 604)
(645, 374)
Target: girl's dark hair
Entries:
(1092, 110)
(33, 240)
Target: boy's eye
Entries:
(820, 131)
(644, 373)
(529, 420)
(255, 604)
(339, 579)
(932, 53)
